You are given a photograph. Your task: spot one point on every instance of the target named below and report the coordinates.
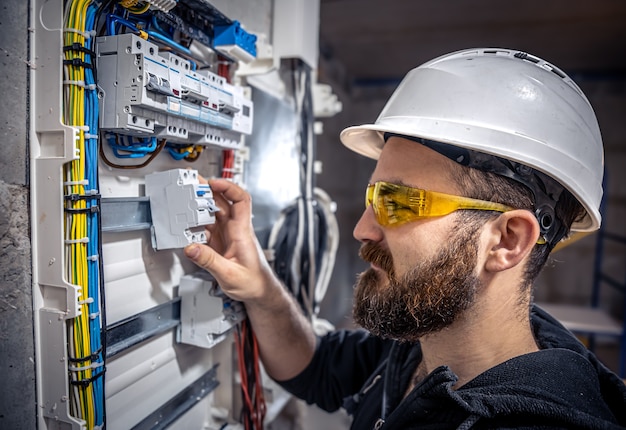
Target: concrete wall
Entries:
(17, 372)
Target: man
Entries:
(486, 160)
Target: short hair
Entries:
(490, 186)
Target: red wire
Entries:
(254, 407)
(228, 162)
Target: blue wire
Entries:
(115, 19)
(132, 150)
(177, 155)
(91, 174)
(155, 23)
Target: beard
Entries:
(426, 299)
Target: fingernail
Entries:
(192, 251)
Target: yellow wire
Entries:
(139, 10)
(77, 222)
(128, 3)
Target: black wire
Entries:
(103, 313)
(285, 247)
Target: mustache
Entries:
(377, 255)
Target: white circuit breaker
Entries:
(206, 313)
(151, 93)
(180, 207)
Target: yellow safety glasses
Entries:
(398, 204)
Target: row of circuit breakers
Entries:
(148, 93)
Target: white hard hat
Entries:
(499, 102)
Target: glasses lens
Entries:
(396, 204)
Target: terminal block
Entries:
(233, 40)
(180, 207)
(207, 315)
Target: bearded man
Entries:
(486, 159)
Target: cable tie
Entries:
(94, 315)
(92, 357)
(87, 301)
(90, 210)
(85, 382)
(89, 194)
(73, 241)
(85, 34)
(76, 46)
(81, 127)
(93, 257)
(77, 83)
(83, 182)
(80, 369)
(90, 136)
(78, 62)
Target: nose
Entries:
(367, 228)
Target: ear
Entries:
(511, 238)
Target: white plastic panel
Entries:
(145, 92)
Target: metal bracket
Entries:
(181, 403)
(142, 326)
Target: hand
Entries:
(233, 254)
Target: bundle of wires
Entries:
(185, 152)
(82, 226)
(253, 410)
(228, 163)
(305, 237)
(253, 402)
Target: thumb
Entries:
(203, 256)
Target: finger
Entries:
(241, 203)
(223, 204)
(206, 258)
(215, 237)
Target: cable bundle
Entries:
(83, 267)
(253, 410)
(228, 163)
(305, 237)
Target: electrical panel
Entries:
(133, 102)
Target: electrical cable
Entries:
(304, 239)
(160, 145)
(253, 401)
(254, 407)
(82, 223)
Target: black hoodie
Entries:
(561, 386)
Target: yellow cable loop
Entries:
(128, 3)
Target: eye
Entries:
(396, 204)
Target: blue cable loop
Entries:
(177, 155)
(115, 19)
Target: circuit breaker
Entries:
(207, 315)
(145, 92)
(180, 206)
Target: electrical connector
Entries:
(234, 41)
(207, 315)
(180, 207)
